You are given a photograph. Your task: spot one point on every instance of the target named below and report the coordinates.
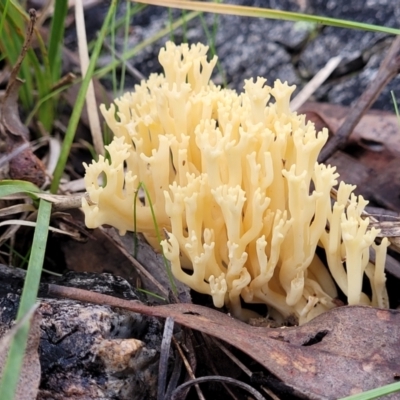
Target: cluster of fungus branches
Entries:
(234, 180)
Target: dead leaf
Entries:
(344, 351)
(375, 128)
(29, 377)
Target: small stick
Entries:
(387, 71)
(188, 369)
(315, 83)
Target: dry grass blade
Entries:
(164, 356)
(315, 83)
(91, 104)
(16, 209)
(20, 222)
(11, 230)
(4, 159)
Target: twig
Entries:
(387, 71)
(242, 366)
(141, 270)
(257, 395)
(207, 352)
(315, 83)
(66, 80)
(189, 371)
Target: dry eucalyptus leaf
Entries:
(29, 377)
(344, 351)
(376, 127)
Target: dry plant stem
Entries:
(16, 209)
(164, 355)
(232, 357)
(11, 231)
(64, 202)
(66, 80)
(188, 368)
(387, 71)
(315, 83)
(91, 105)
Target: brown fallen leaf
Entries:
(376, 128)
(29, 378)
(344, 351)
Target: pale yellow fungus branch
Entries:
(234, 181)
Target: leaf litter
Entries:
(344, 351)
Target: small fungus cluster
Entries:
(234, 180)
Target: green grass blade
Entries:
(8, 187)
(56, 38)
(245, 11)
(148, 293)
(17, 335)
(35, 68)
(3, 15)
(47, 109)
(11, 40)
(80, 101)
(375, 393)
(9, 380)
(158, 235)
(142, 45)
(52, 95)
(396, 108)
